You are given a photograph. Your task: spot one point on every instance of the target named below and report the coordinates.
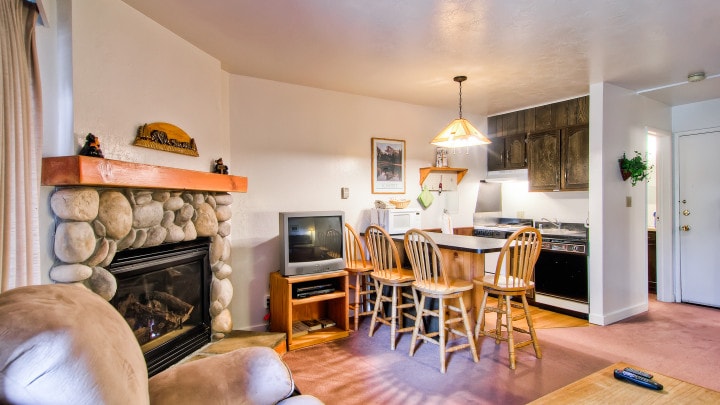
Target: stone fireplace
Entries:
(106, 209)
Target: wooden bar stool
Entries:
(359, 270)
(432, 281)
(518, 256)
(390, 278)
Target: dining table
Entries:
(464, 258)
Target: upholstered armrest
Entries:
(253, 375)
(63, 344)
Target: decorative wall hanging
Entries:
(388, 166)
(167, 137)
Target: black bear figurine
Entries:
(91, 147)
(220, 167)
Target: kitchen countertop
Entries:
(463, 243)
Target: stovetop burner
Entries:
(502, 229)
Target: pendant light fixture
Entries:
(460, 132)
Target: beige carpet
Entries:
(678, 340)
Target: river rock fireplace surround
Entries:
(105, 208)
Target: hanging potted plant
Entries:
(635, 168)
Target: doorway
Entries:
(660, 202)
(698, 217)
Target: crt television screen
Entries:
(315, 238)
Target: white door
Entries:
(699, 205)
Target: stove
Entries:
(502, 229)
(561, 279)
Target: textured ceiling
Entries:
(516, 54)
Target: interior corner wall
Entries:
(128, 71)
(109, 69)
(299, 146)
(618, 233)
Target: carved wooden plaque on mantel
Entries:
(167, 137)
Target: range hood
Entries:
(501, 176)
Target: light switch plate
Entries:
(345, 192)
(628, 201)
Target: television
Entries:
(311, 242)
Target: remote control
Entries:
(640, 373)
(636, 379)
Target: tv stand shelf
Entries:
(284, 309)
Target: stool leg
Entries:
(442, 329)
(358, 304)
(531, 328)
(378, 306)
(480, 324)
(498, 322)
(511, 340)
(468, 334)
(393, 317)
(418, 321)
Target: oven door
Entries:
(561, 280)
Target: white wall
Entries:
(299, 146)
(128, 71)
(696, 116)
(565, 206)
(618, 234)
(107, 69)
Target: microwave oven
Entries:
(395, 221)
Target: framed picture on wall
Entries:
(388, 166)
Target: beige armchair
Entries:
(63, 344)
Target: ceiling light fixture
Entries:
(460, 132)
(696, 77)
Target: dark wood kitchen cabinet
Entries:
(578, 111)
(551, 140)
(559, 160)
(509, 152)
(544, 161)
(558, 115)
(575, 158)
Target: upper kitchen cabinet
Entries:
(508, 149)
(575, 155)
(550, 140)
(578, 111)
(558, 160)
(544, 161)
(509, 152)
(559, 115)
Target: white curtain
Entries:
(21, 123)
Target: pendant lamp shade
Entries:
(460, 132)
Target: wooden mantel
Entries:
(92, 171)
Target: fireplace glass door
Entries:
(163, 294)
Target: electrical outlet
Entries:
(267, 300)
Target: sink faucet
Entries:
(555, 222)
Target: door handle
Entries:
(685, 228)
(686, 212)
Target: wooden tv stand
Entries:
(284, 309)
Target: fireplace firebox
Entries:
(163, 292)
